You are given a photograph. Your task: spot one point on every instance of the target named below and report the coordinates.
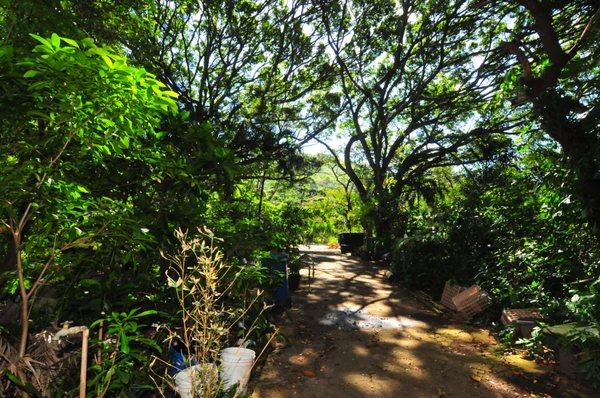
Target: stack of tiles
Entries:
(450, 291)
(471, 301)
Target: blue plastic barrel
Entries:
(178, 359)
(277, 262)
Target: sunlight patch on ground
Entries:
(454, 334)
(361, 350)
(354, 318)
(525, 365)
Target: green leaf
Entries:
(88, 42)
(41, 40)
(170, 93)
(146, 313)
(31, 73)
(107, 59)
(55, 39)
(125, 141)
(96, 323)
(124, 343)
(70, 42)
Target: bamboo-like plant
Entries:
(210, 308)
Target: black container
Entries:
(350, 241)
(294, 281)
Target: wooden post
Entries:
(83, 370)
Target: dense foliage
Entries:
(94, 182)
(514, 228)
(469, 149)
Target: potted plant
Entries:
(294, 279)
(294, 266)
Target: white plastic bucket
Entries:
(236, 364)
(195, 379)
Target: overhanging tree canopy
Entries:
(413, 77)
(556, 46)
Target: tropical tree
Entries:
(246, 67)
(67, 110)
(411, 75)
(556, 48)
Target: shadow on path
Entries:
(353, 334)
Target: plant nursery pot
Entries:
(236, 365)
(294, 281)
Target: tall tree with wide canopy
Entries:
(556, 46)
(246, 67)
(243, 70)
(410, 75)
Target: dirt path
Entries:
(353, 334)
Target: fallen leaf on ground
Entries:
(557, 379)
(308, 373)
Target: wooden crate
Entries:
(450, 291)
(471, 301)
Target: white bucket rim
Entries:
(237, 354)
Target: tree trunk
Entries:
(581, 147)
(348, 206)
(385, 222)
(383, 231)
(23, 294)
(261, 195)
